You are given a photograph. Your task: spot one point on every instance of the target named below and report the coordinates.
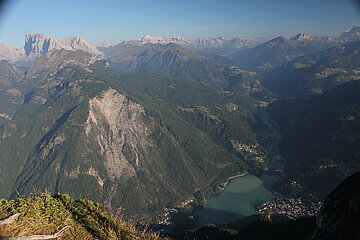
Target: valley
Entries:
(181, 134)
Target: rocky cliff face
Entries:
(114, 121)
(340, 215)
(37, 44)
(40, 44)
(115, 142)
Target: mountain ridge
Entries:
(40, 44)
(352, 34)
(37, 44)
(84, 109)
(315, 73)
(169, 60)
(275, 52)
(326, 125)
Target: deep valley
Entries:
(193, 139)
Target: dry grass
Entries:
(46, 214)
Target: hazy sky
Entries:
(115, 20)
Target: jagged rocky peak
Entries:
(9, 53)
(308, 37)
(241, 43)
(353, 34)
(211, 41)
(162, 40)
(78, 43)
(74, 39)
(302, 36)
(40, 44)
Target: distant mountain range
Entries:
(347, 35)
(39, 44)
(11, 54)
(307, 37)
(352, 34)
(317, 72)
(279, 50)
(219, 45)
(166, 59)
(204, 45)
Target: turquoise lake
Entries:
(237, 200)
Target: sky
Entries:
(115, 20)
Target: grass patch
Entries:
(46, 214)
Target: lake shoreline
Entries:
(235, 201)
(233, 177)
(200, 215)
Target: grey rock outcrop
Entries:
(40, 44)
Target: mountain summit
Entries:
(308, 37)
(162, 40)
(10, 53)
(279, 42)
(39, 44)
(353, 34)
